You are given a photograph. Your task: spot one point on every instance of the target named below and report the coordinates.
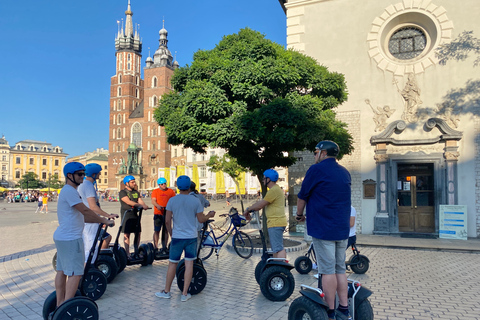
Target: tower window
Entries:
(137, 134)
(119, 78)
(119, 92)
(154, 82)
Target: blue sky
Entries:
(57, 57)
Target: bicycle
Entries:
(241, 242)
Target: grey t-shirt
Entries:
(184, 208)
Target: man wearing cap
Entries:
(326, 193)
(160, 197)
(183, 211)
(72, 215)
(130, 198)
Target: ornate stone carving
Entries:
(380, 116)
(451, 156)
(449, 113)
(411, 97)
(380, 157)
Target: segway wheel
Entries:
(78, 308)
(151, 253)
(359, 264)
(108, 266)
(304, 308)
(180, 265)
(199, 278)
(303, 265)
(122, 259)
(54, 262)
(143, 252)
(259, 270)
(94, 284)
(51, 303)
(364, 310)
(277, 283)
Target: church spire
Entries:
(126, 39)
(128, 22)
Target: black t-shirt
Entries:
(132, 195)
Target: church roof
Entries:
(138, 112)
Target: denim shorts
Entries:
(158, 222)
(70, 257)
(330, 256)
(178, 246)
(276, 238)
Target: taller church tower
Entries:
(137, 145)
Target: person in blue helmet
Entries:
(88, 192)
(276, 220)
(130, 198)
(160, 199)
(184, 212)
(72, 215)
(326, 194)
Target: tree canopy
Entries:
(255, 99)
(30, 181)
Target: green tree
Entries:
(54, 183)
(228, 165)
(255, 99)
(30, 181)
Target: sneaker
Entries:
(342, 316)
(314, 266)
(164, 295)
(186, 298)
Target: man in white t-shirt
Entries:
(352, 237)
(72, 215)
(185, 212)
(88, 193)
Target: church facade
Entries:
(415, 122)
(137, 144)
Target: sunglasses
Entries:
(80, 174)
(316, 152)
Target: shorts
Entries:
(89, 233)
(70, 257)
(330, 256)
(130, 223)
(178, 246)
(276, 238)
(40, 204)
(351, 240)
(158, 222)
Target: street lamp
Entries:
(49, 181)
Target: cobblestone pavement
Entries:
(407, 284)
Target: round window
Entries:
(407, 43)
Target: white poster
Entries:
(453, 222)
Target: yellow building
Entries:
(39, 157)
(99, 156)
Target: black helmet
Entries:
(329, 146)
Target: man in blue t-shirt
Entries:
(326, 192)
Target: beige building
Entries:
(4, 162)
(40, 157)
(100, 157)
(415, 122)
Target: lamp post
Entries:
(49, 181)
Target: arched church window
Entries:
(119, 133)
(154, 82)
(119, 78)
(119, 121)
(407, 43)
(119, 92)
(137, 134)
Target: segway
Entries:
(92, 286)
(142, 254)
(274, 276)
(311, 305)
(357, 262)
(106, 261)
(199, 277)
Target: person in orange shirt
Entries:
(160, 199)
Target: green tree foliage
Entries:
(228, 165)
(255, 99)
(54, 182)
(30, 181)
(459, 49)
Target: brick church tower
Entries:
(137, 145)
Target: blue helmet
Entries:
(161, 180)
(183, 183)
(127, 179)
(271, 174)
(92, 168)
(72, 167)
